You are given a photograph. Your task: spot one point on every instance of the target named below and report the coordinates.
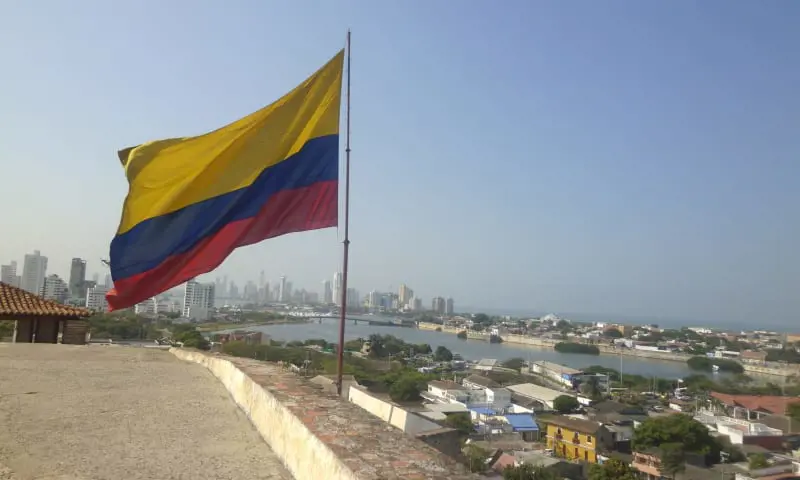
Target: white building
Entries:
(33, 272)
(198, 300)
(735, 429)
(352, 297)
(449, 307)
(336, 288)
(55, 289)
(153, 306)
(555, 372)
(96, 299)
(442, 391)
(8, 274)
(282, 293)
(542, 395)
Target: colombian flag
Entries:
(192, 201)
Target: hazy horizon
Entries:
(639, 158)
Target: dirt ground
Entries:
(117, 413)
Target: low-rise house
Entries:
(648, 464)
(479, 382)
(575, 439)
(754, 406)
(445, 391)
(742, 432)
(542, 396)
(558, 373)
(756, 357)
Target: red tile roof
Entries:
(766, 403)
(16, 302)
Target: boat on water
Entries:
(715, 368)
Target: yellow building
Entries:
(575, 439)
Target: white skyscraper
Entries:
(8, 274)
(282, 289)
(336, 288)
(33, 272)
(198, 300)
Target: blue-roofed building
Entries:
(524, 424)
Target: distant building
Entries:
(55, 289)
(96, 299)
(198, 300)
(282, 293)
(417, 306)
(33, 272)
(327, 292)
(77, 278)
(438, 305)
(449, 307)
(8, 274)
(352, 297)
(405, 295)
(336, 288)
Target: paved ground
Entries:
(118, 413)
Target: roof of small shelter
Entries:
(16, 302)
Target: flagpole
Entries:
(346, 242)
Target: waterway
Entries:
(474, 349)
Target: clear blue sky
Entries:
(633, 158)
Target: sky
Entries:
(615, 158)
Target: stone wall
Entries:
(317, 435)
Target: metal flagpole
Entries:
(346, 242)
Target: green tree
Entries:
(612, 469)
(461, 422)
(591, 388)
(482, 318)
(612, 333)
(514, 363)
(673, 459)
(565, 404)
(476, 458)
(462, 335)
(528, 471)
(680, 429)
(376, 349)
(191, 339)
(757, 461)
(442, 354)
(406, 388)
(794, 410)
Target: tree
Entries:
(591, 388)
(442, 354)
(481, 318)
(612, 469)
(565, 404)
(406, 388)
(461, 422)
(673, 459)
(476, 458)
(528, 471)
(462, 335)
(757, 461)
(681, 429)
(514, 363)
(612, 333)
(794, 410)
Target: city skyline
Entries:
(590, 161)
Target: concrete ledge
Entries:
(318, 435)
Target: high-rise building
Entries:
(438, 305)
(336, 288)
(374, 300)
(327, 292)
(405, 295)
(282, 293)
(8, 274)
(417, 304)
(108, 282)
(96, 298)
(33, 272)
(198, 300)
(352, 298)
(55, 289)
(77, 278)
(449, 306)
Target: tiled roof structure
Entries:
(766, 403)
(16, 302)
